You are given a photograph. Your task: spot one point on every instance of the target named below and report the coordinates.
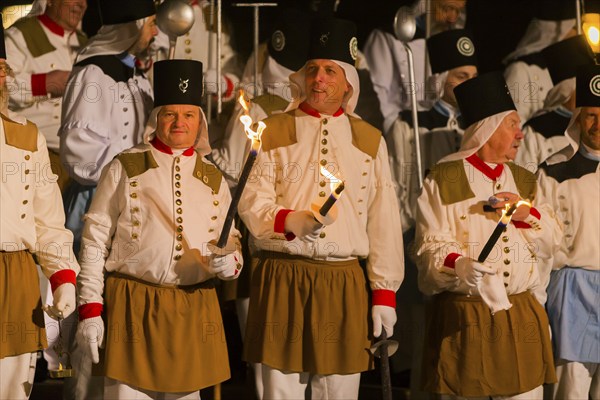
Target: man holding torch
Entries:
(485, 325)
(157, 207)
(308, 320)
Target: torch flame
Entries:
(334, 183)
(246, 119)
(509, 210)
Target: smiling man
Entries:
(157, 206)
(483, 308)
(308, 322)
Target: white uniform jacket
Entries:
(451, 219)
(151, 218)
(31, 208)
(102, 115)
(35, 48)
(287, 176)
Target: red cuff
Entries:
(230, 86)
(524, 225)
(450, 260)
(90, 310)
(279, 226)
(38, 85)
(384, 297)
(62, 276)
(533, 211)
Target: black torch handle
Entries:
(231, 212)
(485, 252)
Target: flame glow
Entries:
(246, 120)
(334, 182)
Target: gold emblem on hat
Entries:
(324, 38)
(278, 40)
(354, 48)
(465, 46)
(595, 85)
(183, 85)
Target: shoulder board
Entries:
(549, 124)
(365, 136)
(574, 168)
(111, 66)
(208, 173)
(23, 137)
(452, 181)
(137, 163)
(270, 103)
(525, 180)
(429, 119)
(35, 38)
(280, 131)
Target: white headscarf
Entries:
(202, 144)
(559, 93)
(573, 134)
(539, 35)
(350, 99)
(112, 39)
(37, 8)
(476, 135)
(275, 79)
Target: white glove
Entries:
(470, 271)
(303, 225)
(64, 302)
(383, 316)
(210, 82)
(226, 267)
(90, 337)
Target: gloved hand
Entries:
(90, 337)
(303, 225)
(470, 271)
(210, 82)
(64, 302)
(226, 267)
(383, 317)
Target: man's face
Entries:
(326, 85)
(446, 12)
(147, 33)
(505, 141)
(589, 122)
(455, 77)
(178, 125)
(67, 13)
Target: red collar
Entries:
(480, 165)
(312, 112)
(51, 25)
(163, 148)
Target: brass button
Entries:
(177, 176)
(22, 216)
(567, 222)
(505, 239)
(180, 229)
(214, 217)
(322, 235)
(368, 160)
(463, 217)
(211, 230)
(322, 183)
(177, 159)
(325, 132)
(321, 194)
(323, 162)
(177, 185)
(498, 186)
(177, 257)
(178, 247)
(134, 235)
(506, 285)
(178, 202)
(27, 157)
(179, 220)
(177, 193)
(506, 261)
(568, 235)
(177, 168)
(187, 41)
(25, 201)
(179, 237)
(363, 187)
(136, 223)
(324, 122)
(360, 200)
(364, 174)
(26, 187)
(324, 142)
(360, 213)
(52, 65)
(125, 109)
(135, 209)
(205, 179)
(188, 51)
(506, 250)
(26, 172)
(133, 184)
(323, 151)
(506, 273)
(179, 210)
(133, 195)
(216, 203)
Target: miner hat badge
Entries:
(177, 82)
(333, 39)
(451, 49)
(290, 38)
(587, 92)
